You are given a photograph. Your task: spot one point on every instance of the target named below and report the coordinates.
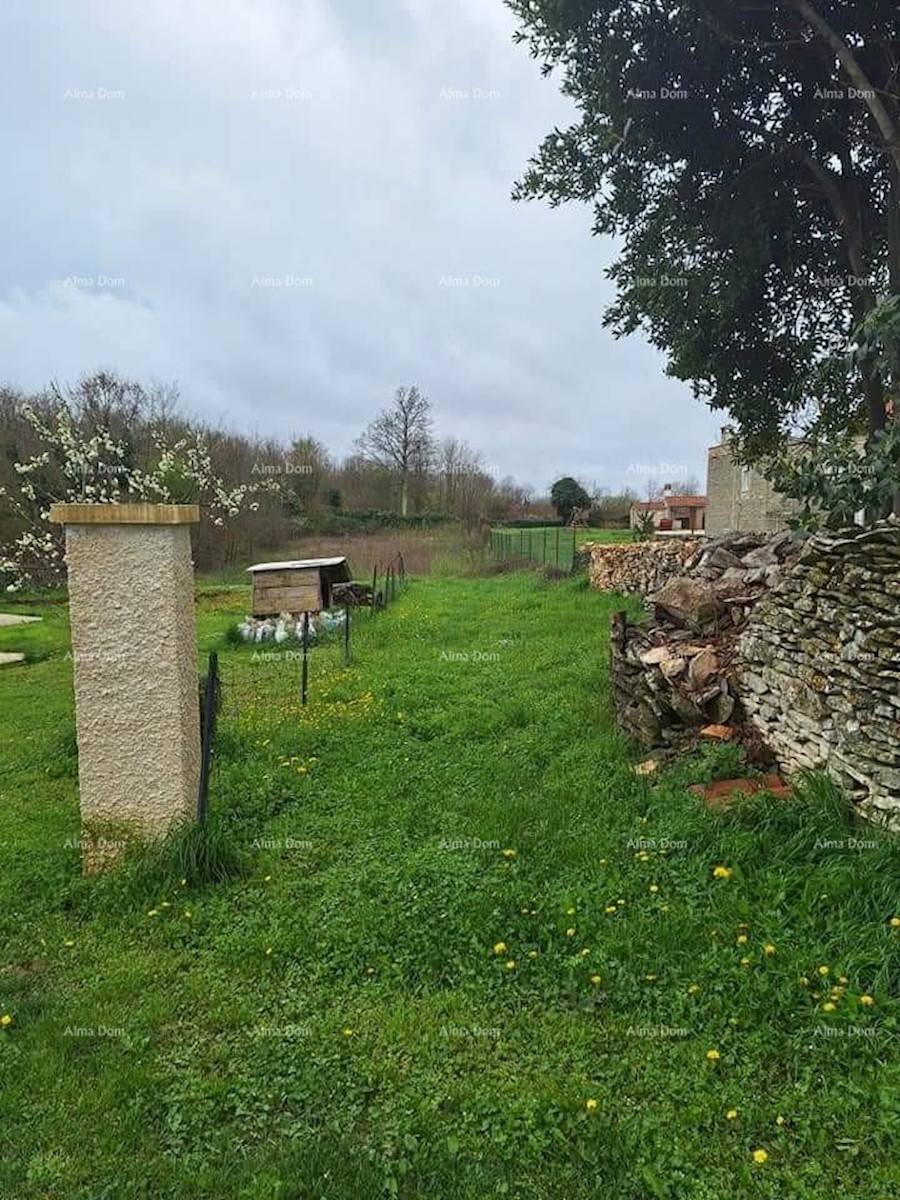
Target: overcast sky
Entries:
(291, 207)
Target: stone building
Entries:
(739, 498)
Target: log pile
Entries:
(674, 674)
(638, 567)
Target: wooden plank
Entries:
(295, 577)
(269, 602)
(125, 514)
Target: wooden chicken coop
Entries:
(296, 587)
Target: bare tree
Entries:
(399, 439)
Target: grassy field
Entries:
(550, 545)
(444, 549)
(471, 954)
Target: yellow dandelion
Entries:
(654, 887)
(532, 953)
(895, 922)
(591, 1104)
(188, 914)
(6, 1020)
(804, 980)
(779, 1120)
(267, 878)
(585, 952)
(664, 908)
(348, 1031)
(760, 1156)
(742, 940)
(500, 947)
(843, 979)
(610, 908)
(603, 862)
(152, 912)
(713, 1055)
(768, 948)
(867, 1001)
(731, 1115)
(824, 970)
(596, 979)
(509, 853)
(745, 962)
(510, 964)
(722, 872)
(643, 856)
(693, 989)
(570, 932)
(570, 912)
(69, 942)
(620, 902)
(828, 1007)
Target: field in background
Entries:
(445, 550)
(549, 545)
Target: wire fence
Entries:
(555, 545)
(256, 689)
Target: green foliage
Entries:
(834, 480)
(645, 527)
(749, 188)
(566, 495)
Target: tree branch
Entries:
(889, 130)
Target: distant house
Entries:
(672, 513)
(739, 498)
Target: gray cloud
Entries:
(175, 162)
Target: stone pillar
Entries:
(134, 644)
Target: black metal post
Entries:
(207, 731)
(374, 588)
(304, 670)
(347, 631)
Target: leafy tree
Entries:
(566, 495)
(399, 440)
(746, 154)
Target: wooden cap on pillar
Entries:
(125, 514)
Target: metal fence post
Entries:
(304, 670)
(347, 631)
(207, 732)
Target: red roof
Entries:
(669, 502)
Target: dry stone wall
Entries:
(820, 673)
(675, 672)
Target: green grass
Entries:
(336, 1023)
(550, 545)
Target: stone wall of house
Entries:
(820, 673)
(638, 567)
(736, 501)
